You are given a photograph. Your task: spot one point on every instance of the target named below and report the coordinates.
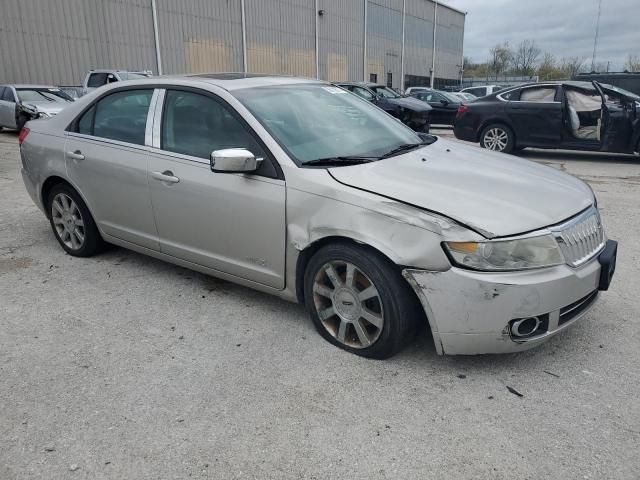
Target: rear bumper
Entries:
(464, 132)
(30, 186)
(471, 312)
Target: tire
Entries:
(72, 223)
(372, 316)
(22, 120)
(498, 137)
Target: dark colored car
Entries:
(410, 111)
(569, 115)
(626, 80)
(445, 105)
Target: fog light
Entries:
(524, 327)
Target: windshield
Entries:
(385, 92)
(42, 95)
(313, 121)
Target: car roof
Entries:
(239, 80)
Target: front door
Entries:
(7, 107)
(107, 160)
(536, 116)
(616, 131)
(233, 223)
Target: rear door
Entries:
(616, 130)
(535, 114)
(107, 159)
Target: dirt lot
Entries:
(121, 366)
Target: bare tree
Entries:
(500, 58)
(633, 63)
(548, 68)
(571, 66)
(525, 57)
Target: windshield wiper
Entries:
(405, 148)
(330, 161)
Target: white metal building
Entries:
(58, 41)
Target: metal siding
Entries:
(341, 33)
(58, 41)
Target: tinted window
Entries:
(478, 92)
(97, 80)
(512, 95)
(120, 116)
(196, 125)
(8, 95)
(1, 91)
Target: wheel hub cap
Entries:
(67, 221)
(348, 304)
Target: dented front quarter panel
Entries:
(318, 207)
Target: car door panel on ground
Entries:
(106, 156)
(536, 115)
(233, 223)
(7, 108)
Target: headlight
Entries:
(506, 255)
(43, 115)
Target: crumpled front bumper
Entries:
(469, 312)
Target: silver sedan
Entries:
(303, 190)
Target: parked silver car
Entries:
(299, 189)
(21, 103)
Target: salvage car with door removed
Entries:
(374, 228)
(568, 115)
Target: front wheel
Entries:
(359, 301)
(498, 138)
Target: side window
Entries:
(97, 80)
(538, 94)
(1, 92)
(85, 124)
(196, 125)
(361, 92)
(512, 95)
(120, 116)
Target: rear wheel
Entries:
(359, 301)
(72, 223)
(497, 137)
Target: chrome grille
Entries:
(581, 237)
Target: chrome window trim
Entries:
(107, 141)
(501, 98)
(157, 118)
(150, 115)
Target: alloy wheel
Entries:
(67, 221)
(348, 304)
(496, 139)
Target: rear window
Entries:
(97, 80)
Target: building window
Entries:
(373, 77)
(389, 79)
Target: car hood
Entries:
(493, 193)
(51, 108)
(410, 103)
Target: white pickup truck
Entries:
(98, 78)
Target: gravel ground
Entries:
(121, 366)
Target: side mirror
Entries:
(234, 160)
(444, 102)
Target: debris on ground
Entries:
(551, 373)
(514, 391)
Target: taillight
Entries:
(23, 135)
(462, 108)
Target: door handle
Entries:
(166, 176)
(77, 155)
